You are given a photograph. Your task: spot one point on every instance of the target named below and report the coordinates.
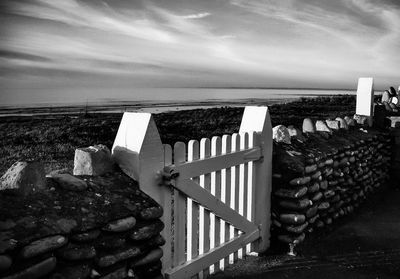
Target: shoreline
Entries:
(154, 107)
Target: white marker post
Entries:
(365, 98)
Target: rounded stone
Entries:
(69, 182)
(296, 133)
(147, 231)
(43, 245)
(38, 270)
(120, 225)
(152, 256)
(5, 262)
(150, 213)
(342, 123)
(308, 126)
(23, 178)
(350, 121)
(385, 96)
(281, 134)
(86, 236)
(321, 126)
(77, 253)
(333, 124)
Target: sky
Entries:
(66, 45)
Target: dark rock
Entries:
(109, 260)
(5, 262)
(7, 224)
(151, 213)
(43, 245)
(72, 272)
(147, 231)
(7, 243)
(152, 256)
(74, 252)
(120, 225)
(86, 236)
(23, 178)
(66, 225)
(111, 243)
(36, 271)
(120, 273)
(93, 160)
(69, 182)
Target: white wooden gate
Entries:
(219, 208)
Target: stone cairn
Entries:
(97, 224)
(324, 173)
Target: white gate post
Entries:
(365, 98)
(257, 119)
(139, 152)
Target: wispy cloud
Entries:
(196, 16)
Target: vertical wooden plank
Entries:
(257, 119)
(216, 148)
(365, 98)
(251, 179)
(193, 209)
(139, 152)
(235, 188)
(226, 190)
(204, 242)
(244, 144)
(179, 211)
(168, 233)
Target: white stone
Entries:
(385, 96)
(296, 133)
(93, 160)
(22, 178)
(342, 123)
(333, 124)
(308, 126)
(281, 134)
(321, 126)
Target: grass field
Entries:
(53, 139)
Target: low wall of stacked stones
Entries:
(77, 226)
(324, 173)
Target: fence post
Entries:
(365, 98)
(257, 119)
(139, 152)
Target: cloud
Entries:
(196, 16)
(8, 54)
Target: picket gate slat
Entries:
(244, 143)
(205, 182)
(235, 189)
(226, 196)
(216, 148)
(193, 207)
(179, 211)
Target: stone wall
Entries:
(324, 173)
(77, 226)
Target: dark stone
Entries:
(69, 182)
(36, 271)
(147, 231)
(74, 252)
(109, 260)
(86, 236)
(150, 213)
(5, 262)
(120, 225)
(72, 272)
(43, 245)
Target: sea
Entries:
(154, 100)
